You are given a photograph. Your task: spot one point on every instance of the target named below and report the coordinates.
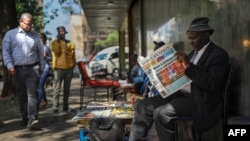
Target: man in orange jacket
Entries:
(63, 63)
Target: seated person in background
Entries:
(136, 74)
(158, 45)
(202, 99)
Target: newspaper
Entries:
(114, 109)
(164, 71)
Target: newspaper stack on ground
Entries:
(114, 109)
(164, 71)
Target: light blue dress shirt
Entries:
(22, 48)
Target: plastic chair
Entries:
(185, 121)
(82, 134)
(88, 82)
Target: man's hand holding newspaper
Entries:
(165, 72)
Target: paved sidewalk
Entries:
(54, 127)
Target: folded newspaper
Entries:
(164, 71)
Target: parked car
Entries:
(107, 61)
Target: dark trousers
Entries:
(138, 87)
(161, 111)
(26, 83)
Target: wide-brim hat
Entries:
(61, 27)
(158, 44)
(200, 24)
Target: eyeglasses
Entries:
(28, 24)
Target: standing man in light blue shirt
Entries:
(22, 51)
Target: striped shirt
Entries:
(22, 48)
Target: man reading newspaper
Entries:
(200, 99)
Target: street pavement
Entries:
(53, 127)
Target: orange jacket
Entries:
(63, 54)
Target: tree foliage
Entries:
(40, 16)
(51, 14)
(52, 11)
(111, 40)
(32, 7)
(8, 16)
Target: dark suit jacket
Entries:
(208, 78)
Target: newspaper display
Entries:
(164, 71)
(121, 110)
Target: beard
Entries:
(27, 30)
(60, 37)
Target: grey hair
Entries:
(25, 15)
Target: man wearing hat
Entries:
(206, 65)
(158, 45)
(63, 63)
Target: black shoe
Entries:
(67, 110)
(24, 122)
(32, 123)
(55, 111)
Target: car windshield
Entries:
(100, 57)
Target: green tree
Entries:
(50, 15)
(32, 7)
(100, 43)
(111, 40)
(8, 18)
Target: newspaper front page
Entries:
(164, 71)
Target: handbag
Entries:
(106, 129)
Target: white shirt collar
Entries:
(200, 52)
